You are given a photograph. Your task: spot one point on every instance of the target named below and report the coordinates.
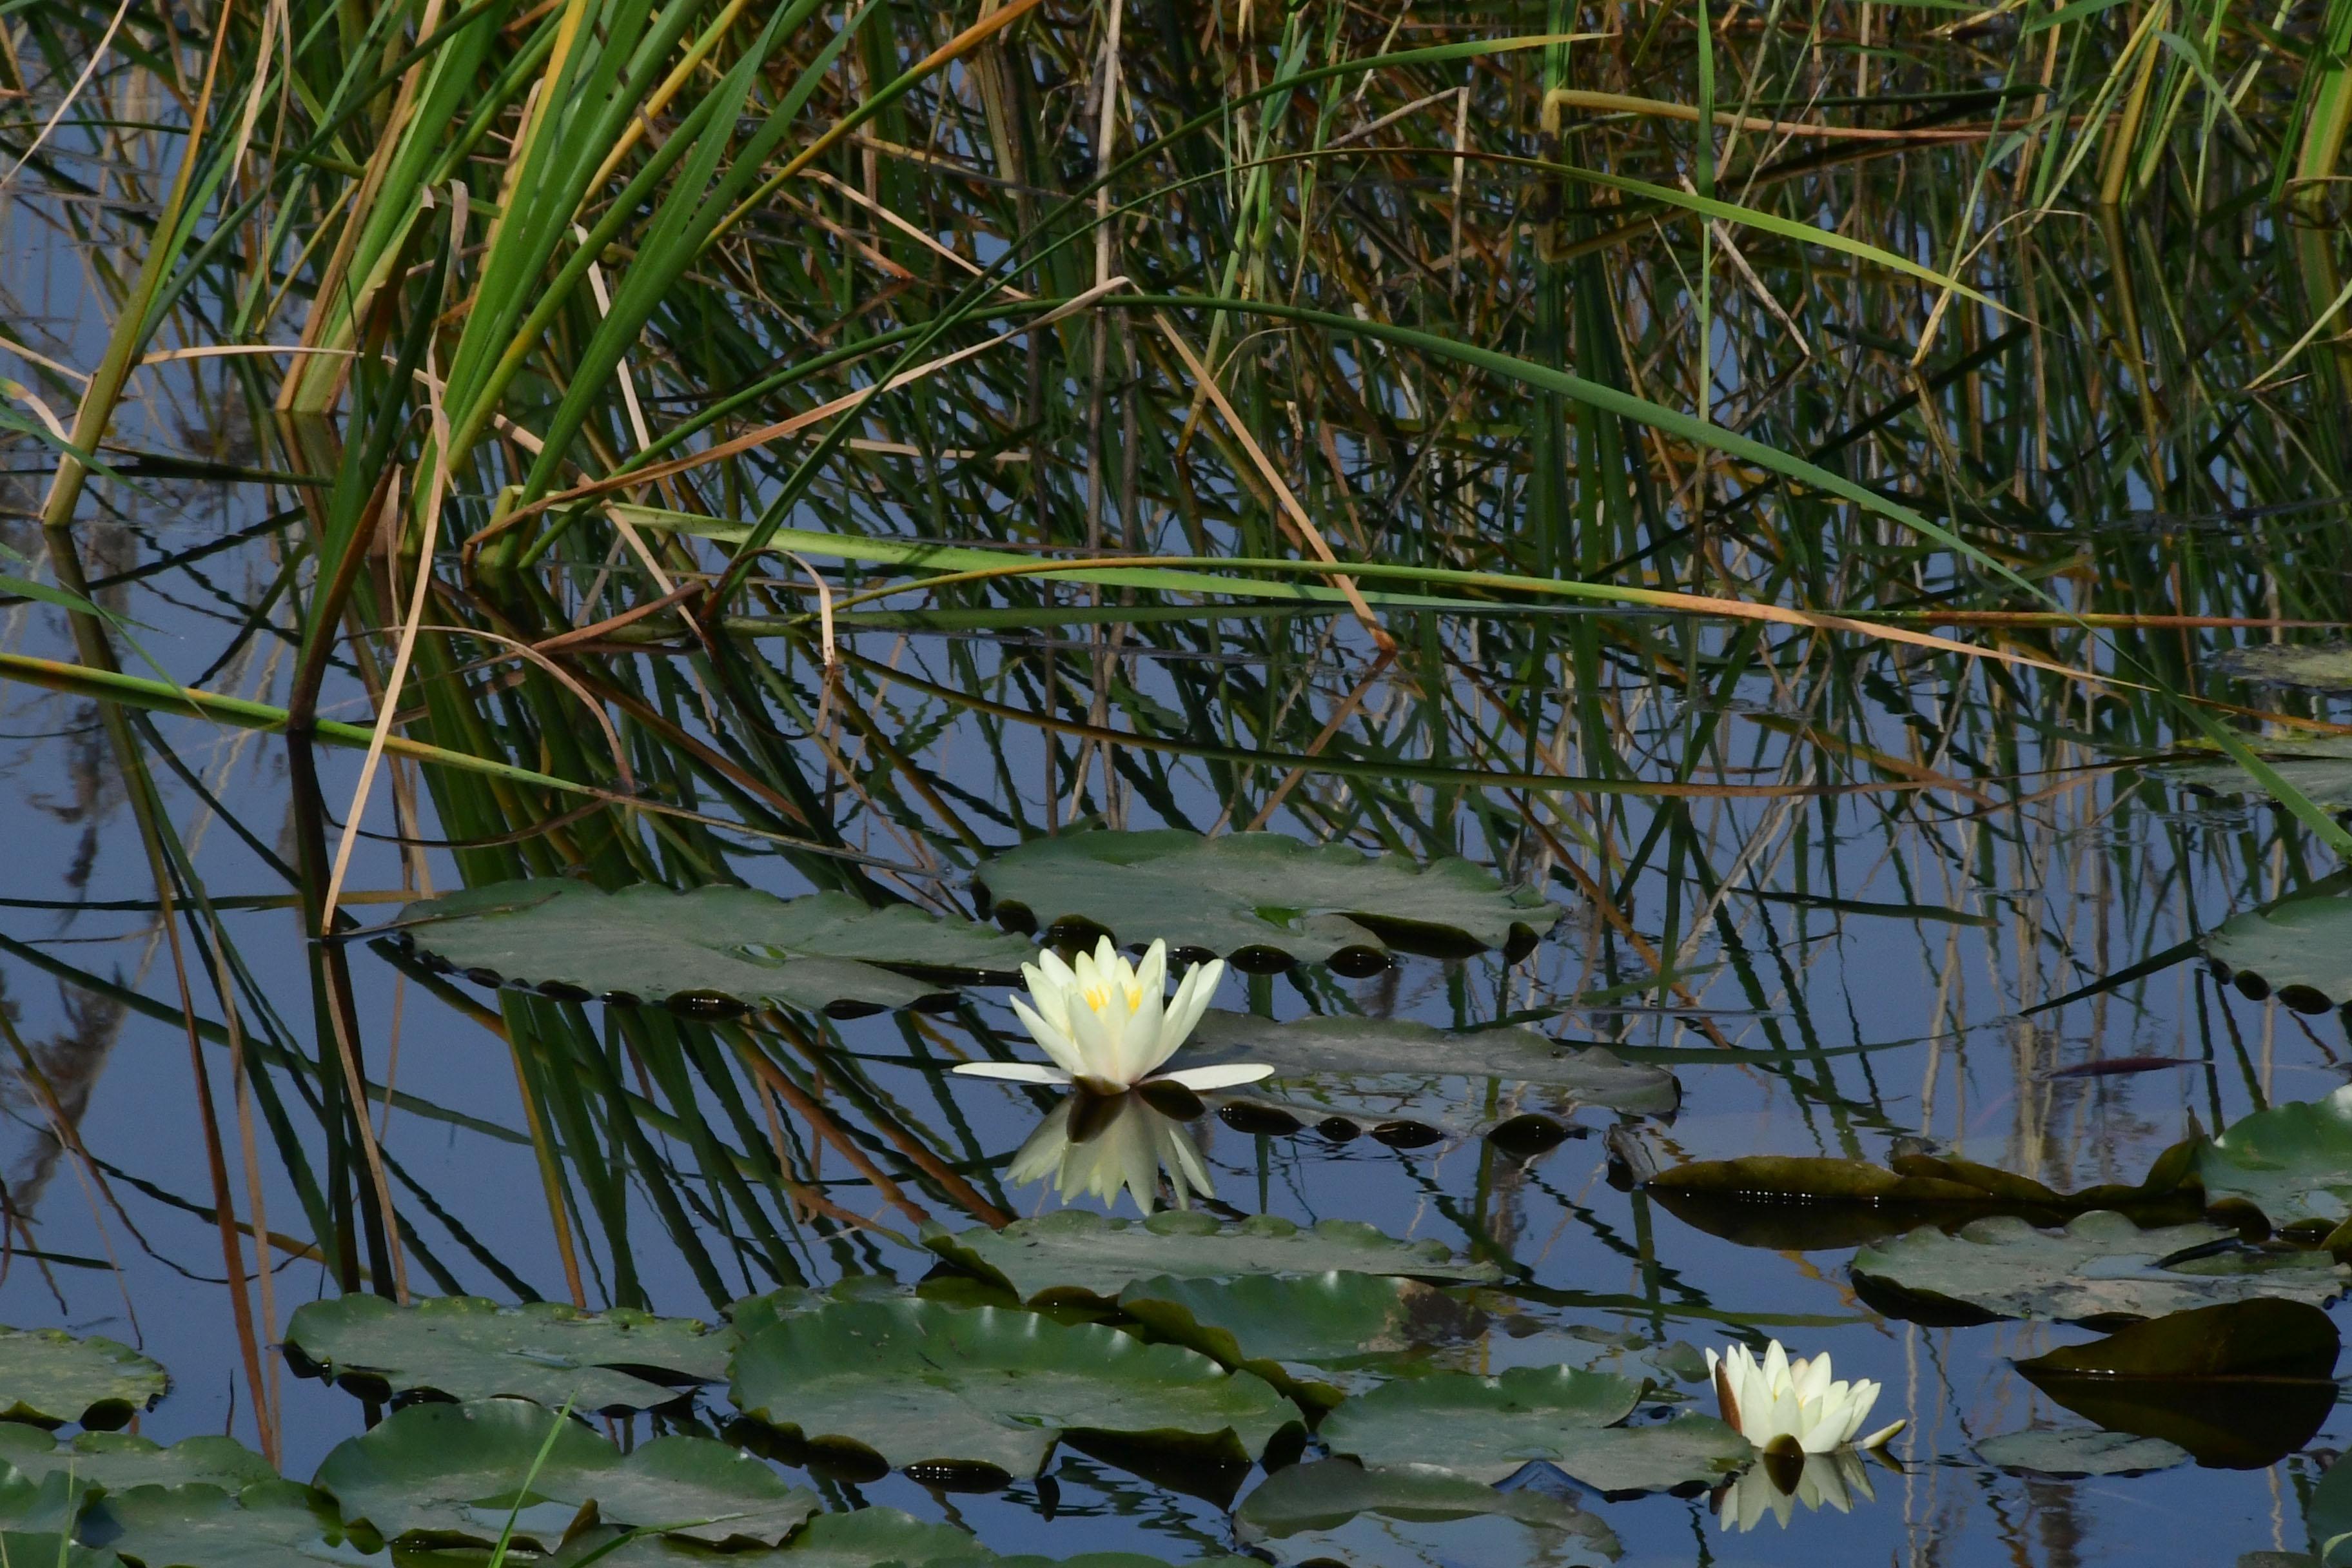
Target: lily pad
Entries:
(1487, 1427)
(1374, 1058)
(49, 1377)
(924, 1385)
(47, 1549)
(468, 1348)
(2293, 1162)
(2299, 951)
(1256, 894)
(2102, 1266)
(112, 1460)
(2328, 1515)
(2319, 768)
(708, 952)
(2316, 667)
(862, 1538)
(1077, 1254)
(1416, 1517)
(2239, 1386)
(269, 1524)
(438, 1474)
(1315, 1337)
(1804, 1203)
(2079, 1451)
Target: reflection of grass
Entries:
(1883, 373)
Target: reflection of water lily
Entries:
(1791, 1407)
(1092, 1145)
(1837, 1480)
(1108, 1025)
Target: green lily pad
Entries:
(1076, 1254)
(112, 1460)
(1258, 891)
(2319, 768)
(1415, 1517)
(468, 1348)
(47, 1549)
(451, 1474)
(711, 951)
(1487, 1427)
(2293, 1162)
(2316, 667)
(2079, 1451)
(2100, 1267)
(269, 1524)
(921, 1384)
(1804, 1203)
(1396, 1057)
(864, 1538)
(1315, 1337)
(2328, 1516)
(2240, 1385)
(49, 1377)
(2299, 951)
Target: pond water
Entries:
(1789, 889)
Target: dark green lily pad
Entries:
(1315, 1337)
(711, 951)
(2293, 1162)
(269, 1524)
(1487, 1427)
(49, 1377)
(1074, 1254)
(1247, 891)
(2239, 1386)
(468, 1348)
(921, 1384)
(110, 1460)
(1378, 1059)
(862, 1538)
(2328, 1515)
(2299, 951)
(1415, 1517)
(47, 1549)
(2320, 769)
(440, 1474)
(1804, 1203)
(2079, 1451)
(2316, 667)
(2102, 1266)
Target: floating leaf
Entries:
(47, 1549)
(269, 1524)
(1804, 1203)
(468, 1348)
(2079, 1451)
(1487, 1427)
(2328, 1515)
(921, 1384)
(1415, 1517)
(107, 1461)
(2293, 1162)
(48, 1377)
(1258, 895)
(711, 951)
(1378, 1058)
(2239, 1386)
(450, 1474)
(2316, 667)
(2299, 950)
(2321, 769)
(1074, 1254)
(862, 1538)
(1315, 1337)
(2100, 1265)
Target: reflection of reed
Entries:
(69, 1064)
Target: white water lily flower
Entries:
(1092, 1147)
(1837, 1480)
(1108, 1025)
(1788, 1406)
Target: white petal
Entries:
(1054, 1041)
(1192, 998)
(1884, 1436)
(1224, 1077)
(1014, 1072)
